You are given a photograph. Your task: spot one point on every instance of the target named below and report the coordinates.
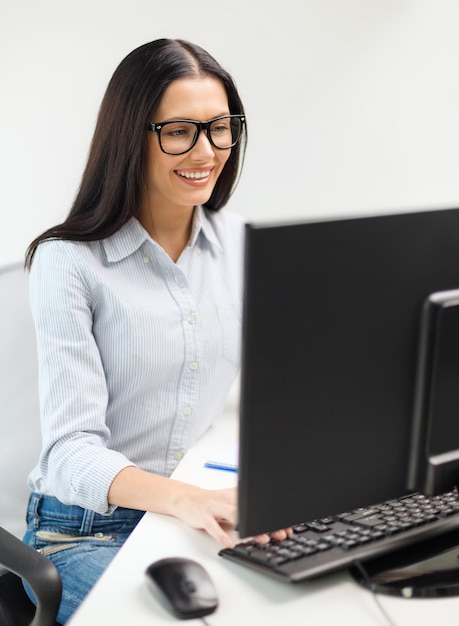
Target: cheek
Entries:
(159, 165)
(224, 155)
(160, 172)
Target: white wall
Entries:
(353, 105)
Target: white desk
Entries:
(246, 597)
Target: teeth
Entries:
(194, 175)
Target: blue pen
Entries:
(219, 466)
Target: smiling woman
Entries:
(136, 297)
(184, 163)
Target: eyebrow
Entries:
(191, 119)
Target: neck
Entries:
(170, 230)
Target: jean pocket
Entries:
(58, 547)
(49, 535)
(56, 542)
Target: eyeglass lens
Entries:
(178, 137)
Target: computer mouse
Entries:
(183, 586)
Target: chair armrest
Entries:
(38, 571)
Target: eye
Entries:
(220, 127)
(178, 130)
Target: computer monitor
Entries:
(434, 453)
(331, 412)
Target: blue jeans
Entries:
(79, 542)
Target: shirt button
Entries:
(194, 365)
(191, 319)
(187, 410)
(178, 456)
(146, 260)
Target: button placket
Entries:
(190, 354)
(188, 390)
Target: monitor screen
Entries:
(331, 327)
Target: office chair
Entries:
(21, 560)
(20, 443)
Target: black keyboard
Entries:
(326, 545)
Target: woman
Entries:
(136, 299)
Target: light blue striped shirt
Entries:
(136, 353)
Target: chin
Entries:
(201, 198)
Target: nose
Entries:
(203, 148)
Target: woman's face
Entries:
(178, 182)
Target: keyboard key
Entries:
(317, 527)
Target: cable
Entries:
(370, 587)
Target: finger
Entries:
(213, 528)
(277, 535)
(280, 535)
(264, 538)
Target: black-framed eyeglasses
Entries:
(180, 136)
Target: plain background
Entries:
(352, 105)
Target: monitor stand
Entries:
(429, 569)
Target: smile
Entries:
(194, 175)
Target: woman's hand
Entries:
(214, 511)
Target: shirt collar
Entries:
(130, 237)
(125, 241)
(203, 224)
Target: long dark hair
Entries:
(112, 183)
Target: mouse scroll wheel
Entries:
(188, 586)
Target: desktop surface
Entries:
(122, 597)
